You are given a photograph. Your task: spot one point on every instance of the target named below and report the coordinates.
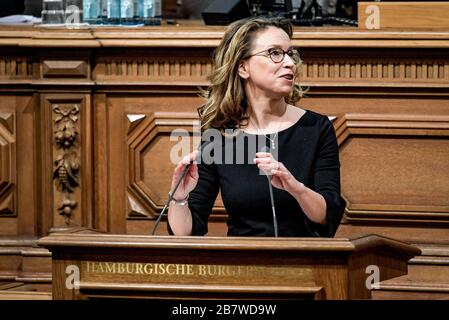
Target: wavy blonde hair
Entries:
(226, 105)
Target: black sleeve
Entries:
(327, 182)
(202, 198)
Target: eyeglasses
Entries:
(277, 55)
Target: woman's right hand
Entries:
(190, 179)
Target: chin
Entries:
(284, 93)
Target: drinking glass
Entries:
(52, 12)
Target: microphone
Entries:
(273, 208)
(170, 197)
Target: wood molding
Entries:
(153, 69)
(65, 69)
(95, 290)
(8, 157)
(24, 295)
(101, 177)
(25, 264)
(380, 71)
(16, 67)
(197, 35)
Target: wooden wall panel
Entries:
(395, 168)
(403, 172)
(27, 194)
(8, 226)
(17, 166)
(8, 156)
(8, 172)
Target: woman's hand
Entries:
(281, 177)
(191, 178)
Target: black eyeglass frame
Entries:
(269, 53)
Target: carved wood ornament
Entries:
(67, 164)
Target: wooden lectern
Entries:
(129, 266)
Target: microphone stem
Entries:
(170, 198)
(275, 223)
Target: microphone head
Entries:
(261, 172)
(265, 149)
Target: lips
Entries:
(287, 76)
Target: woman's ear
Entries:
(243, 70)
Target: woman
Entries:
(253, 91)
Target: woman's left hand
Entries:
(281, 177)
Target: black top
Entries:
(309, 151)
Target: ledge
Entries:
(201, 36)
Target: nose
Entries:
(288, 61)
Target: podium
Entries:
(103, 266)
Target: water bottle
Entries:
(152, 12)
(127, 12)
(112, 12)
(53, 12)
(103, 14)
(91, 11)
(157, 4)
(148, 9)
(138, 14)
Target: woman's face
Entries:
(263, 76)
